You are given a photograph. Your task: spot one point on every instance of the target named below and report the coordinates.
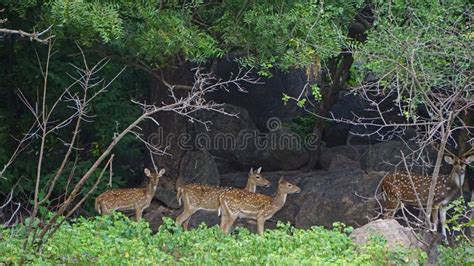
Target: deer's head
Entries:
(287, 187)
(257, 178)
(154, 177)
(459, 166)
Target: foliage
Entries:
(461, 254)
(460, 218)
(111, 112)
(117, 240)
(302, 125)
(283, 34)
(427, 46)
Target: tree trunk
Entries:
(335, 76)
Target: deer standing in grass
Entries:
(136, 199)
(398, 188)
(206, 197)
(236, 203)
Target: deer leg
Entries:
(224, 213)
(260, 224)
(230, 219)
(391, 208)
(184, 217)
(442, 214)
(186, 223)
(105, 211)
(435, 219)
(138, 213)
(223, 220)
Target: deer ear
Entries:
(280, 180)
(449, 159)
(147, 172)
(470, 159)
(162, 172)
(259, 170)
(251, 171)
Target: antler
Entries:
(470, 151)
(436, 147)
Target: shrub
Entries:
(118, 240)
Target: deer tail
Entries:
(179, 195)
(97, 205)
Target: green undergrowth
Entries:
(117, 240)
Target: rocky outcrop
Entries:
(199, 167)
(219, 138)
(263, 100)
(395, 234)
(280, 149)
(330, 156)
(341, 195)
(384, 156)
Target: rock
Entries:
(346, 106)
(384, 156)
(340, 161)
(220, 139)
(279, 149)
(353, 153)
(264, 99)
(285, 152)
(333, 196)
(154, 215)
(395, 234)
(199, 167)
(209, 218)
(167, 197)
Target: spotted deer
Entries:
(136, 199)
(398, 188)
(206, 197)
(235, 203)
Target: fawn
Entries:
(129, 198)
(240, 203)
(206, 197)
(397, 187)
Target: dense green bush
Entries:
(118, 240)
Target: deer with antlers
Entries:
(206, 197)
(136, 199)
(402, 187)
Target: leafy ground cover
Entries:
(119, 241)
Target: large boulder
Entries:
(332, 156)
(285, 151)
(346, 107)
(263, 100)
(280, 149)
(395, 234)
(384, 156)
(199, 167)
(167, 197)
(339, 195)
(219, 138)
